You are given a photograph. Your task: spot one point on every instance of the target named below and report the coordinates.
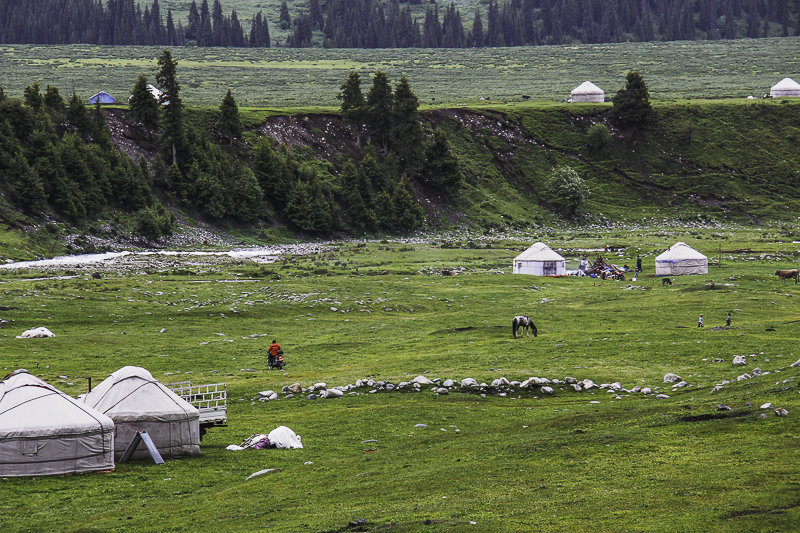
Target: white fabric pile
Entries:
(36, 333)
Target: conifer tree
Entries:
(284, 19)
(25, 184)
(78, 117)
(230, 123)
(406, 130)
(53, 101)
(632, 107)
(353, 104)
(174, 138)
(380, 104)
(101, 135)
(193, 25)
(33, 97)
(441, 165)
(408, 214)
(144, 107)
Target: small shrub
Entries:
(568, 190)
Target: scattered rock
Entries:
(468, 382)
(420, 426)
(780, 411)
(767, 405)
(671, 378)
(723, 407)
(422, 380)
(662, 396)
(739, 360)
(547, 390)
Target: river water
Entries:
(126, 257)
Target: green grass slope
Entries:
(721, 160)
(587, 461)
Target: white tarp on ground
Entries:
(540, 260)
(36, 333)
(136, 401)
(44, 431)
(785, 87)
(587, 92)
(681, 259)
(283, 437)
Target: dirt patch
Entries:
(328, 136)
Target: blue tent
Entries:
(103, 98)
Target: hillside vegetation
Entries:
(734, 160)
(292, 78)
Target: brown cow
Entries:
(787, 274)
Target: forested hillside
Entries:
(382, 166)
(390, 23)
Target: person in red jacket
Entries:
(272, 353)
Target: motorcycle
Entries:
(276, 361)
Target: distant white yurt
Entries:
(587, 92)
(136, 401)
(787, 87)
(540, 260)
(681, 259)
(44, 431)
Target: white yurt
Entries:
(540, 260)
(136, 401)
(787, 87)
(681, 259)
(44, 431)
(587, 92)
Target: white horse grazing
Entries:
(526, 324)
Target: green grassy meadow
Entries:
(589, 460)
(280, 77)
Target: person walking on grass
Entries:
(728, 320)
(700, 321)
(638, 263)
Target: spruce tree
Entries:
(380, 103)
(406, 130)
(230, 123)
(78, 117)
(33, 97)
(101, 135)
(144, 107)
(632, 109)
(174, 138)
(284, 19)
(53, 101)
(353, 104)
(441, 165)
